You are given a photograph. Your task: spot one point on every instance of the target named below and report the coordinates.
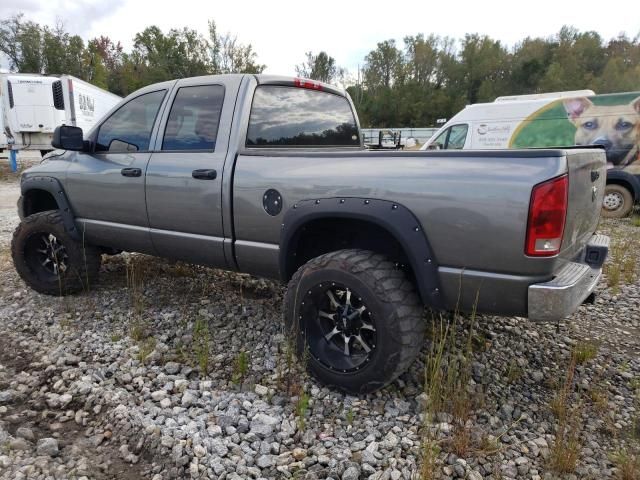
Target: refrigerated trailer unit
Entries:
(84, 103)
(32, 106)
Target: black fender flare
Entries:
(620, 176)
(395, 218)
(54, 187)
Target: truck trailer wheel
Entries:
(48, 259)
(617, 202)
(355, 319)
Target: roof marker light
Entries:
(306, 83)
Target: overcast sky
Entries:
(282, 31)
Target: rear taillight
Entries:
(547, 214)
(305, 83)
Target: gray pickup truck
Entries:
(268, 175)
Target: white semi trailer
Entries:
(32, 106)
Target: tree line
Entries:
(409, 85)
(156, 56)
(433, 77)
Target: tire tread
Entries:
(392, 287)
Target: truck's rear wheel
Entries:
(617, 202)
(355, 318)
(48, 259)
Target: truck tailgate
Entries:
(587, 178)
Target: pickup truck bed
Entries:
(472, 207)
(268, 175)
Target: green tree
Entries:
(421, 59)
(486, 65)
(95, 70)
(321, 67)
(21, 42)
(228, 55)
(177, 54)
(531, 59)
(383, 65)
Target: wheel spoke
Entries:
(357, 312)
(363, 343)
(348, 298)
(332, 299)
(367, 326)
(329, 316)
(330, 335)
(346, 339)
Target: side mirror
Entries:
(66, 137)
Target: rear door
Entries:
(184, 176)
(286, 119)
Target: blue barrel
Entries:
(13, 160)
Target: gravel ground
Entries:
(165, 370)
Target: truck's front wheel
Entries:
(617, 202)
(48, 259)
(355, 319)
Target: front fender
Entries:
(54, 187)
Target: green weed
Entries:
(240, 367)
(349, 416)
(302, 406)
(627, 464)
(145, 348)
(565, 450)
(584, 351)
(202, 344)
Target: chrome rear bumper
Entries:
(560, 297)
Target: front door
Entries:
(106, 187)
(184, 176)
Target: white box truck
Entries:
(32, 106)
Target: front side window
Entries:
(298, 117)
(440, 141)
(129, 128)
(194, 117)
(457, 137)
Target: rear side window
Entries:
(298, 117)
(194, 118)
(129, 128)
